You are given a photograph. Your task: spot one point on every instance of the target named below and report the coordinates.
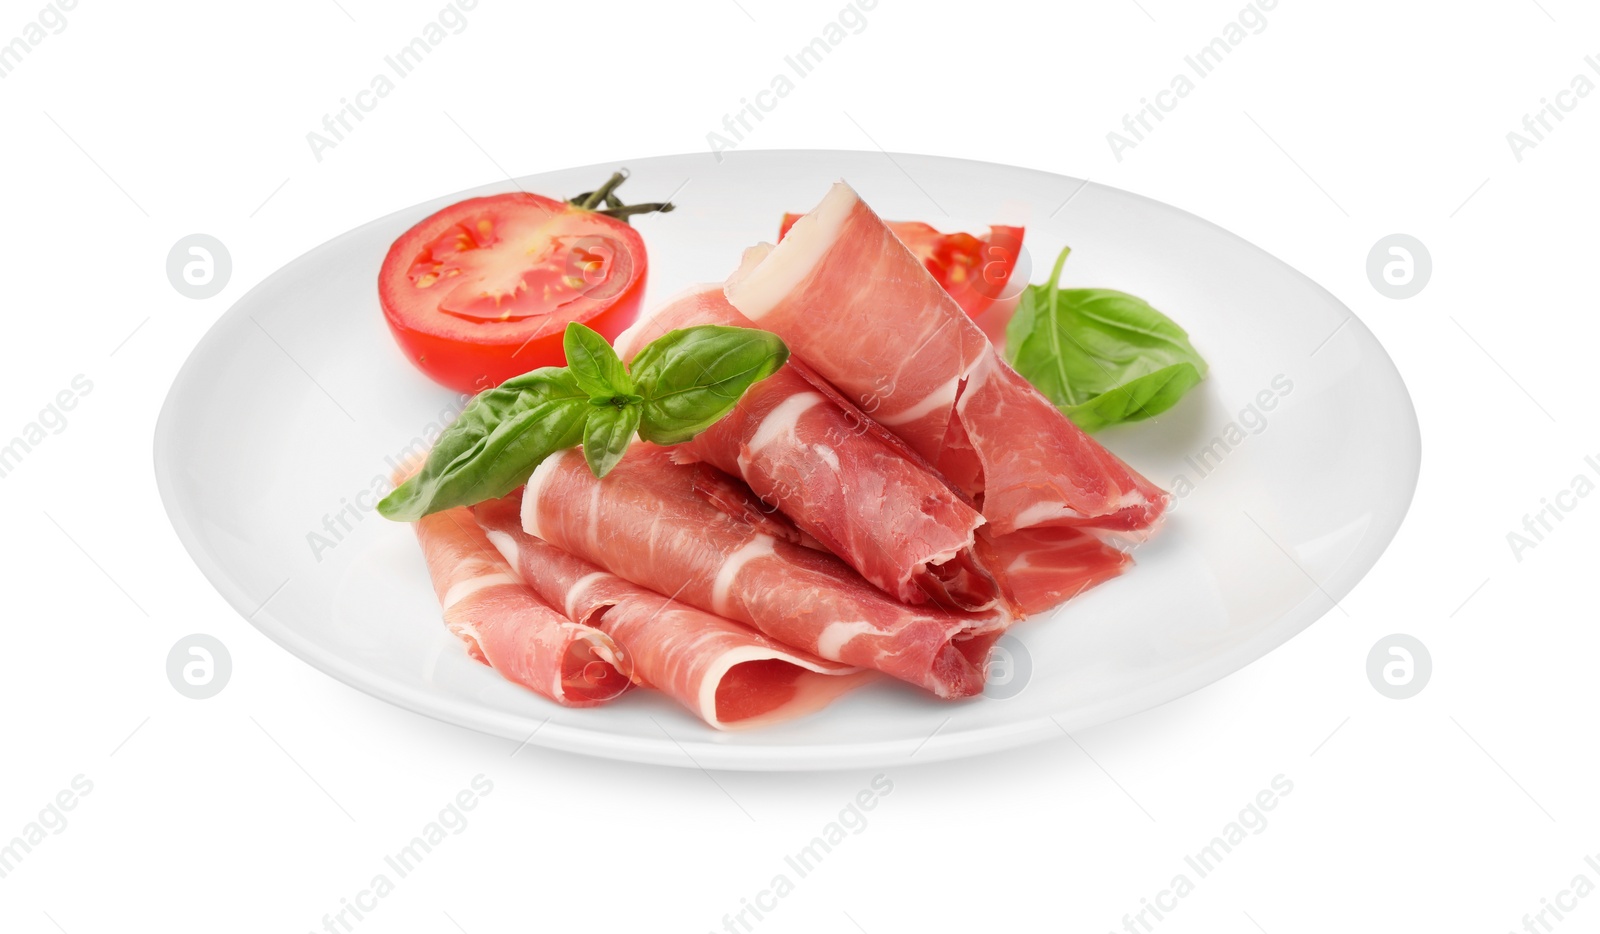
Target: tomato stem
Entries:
(614, 206)
(628, 210)
(594, 198)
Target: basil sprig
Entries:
(692, 378)
(679, 385)
(1102, 356)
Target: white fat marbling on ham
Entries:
(505, 626)
(1045, 566)
(503, 543)
(530, 520)
(804, 245)
(844, 481)
(940, 399)
(462, 589)
(663, 534)
(783, 420)
(760, 546)
(1046, 513)
(579, 591)
(725, 672)
(834, 638)
(858, 307)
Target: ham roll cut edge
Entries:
(726, 673)
(1045, 566)
(506, 627)
(645, 523)
(857, 306)
(803, 450)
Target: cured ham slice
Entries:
(853, 303)
(1044, 567)
(509, 629)
(728, 674)
(645, 522)
(805, 451)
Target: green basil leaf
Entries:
(607, 434)
(692, 377)
(1103, 357)
(1139, 398)
(683, 382)
(495, 443)
(594, 364)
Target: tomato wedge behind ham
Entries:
(853, 304)
(973, 270)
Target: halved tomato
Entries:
(482, 290)
(974, 270)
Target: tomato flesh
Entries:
(482, 290)
(975, 271)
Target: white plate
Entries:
(287, 412)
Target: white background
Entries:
(259, 810)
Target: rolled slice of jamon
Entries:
(728, 674)
(806, 451)
(508, 628)
(647, 523)
(1044, 567)
(854, 304)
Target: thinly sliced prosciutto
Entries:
(1045, 566)
(803, 450)
(645, 522)
(853, 303)
(728, 674)
(508, 628)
